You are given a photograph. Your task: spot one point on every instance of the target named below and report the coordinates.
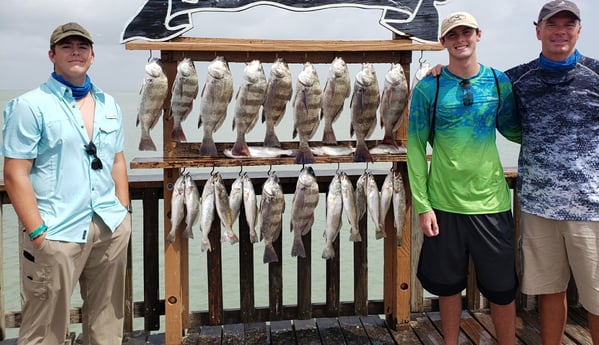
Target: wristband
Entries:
(38, 232)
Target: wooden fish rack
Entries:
(181, 155)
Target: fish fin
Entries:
(230, 237)
(270, 255)
(188, 232)
(361, 154)
(328, 253)
(380, 233)
(298, 248)
(253, 236)
(171, 236)
(328, 137)
(177, 134)
(206, 245)
(304, 156)
(389, 140)
(240, 148)
(208, 147)
(147, 144)
(355, 237)
(271, 140)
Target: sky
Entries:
(508, 36)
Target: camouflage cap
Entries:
(69, 29)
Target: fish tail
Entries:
(171, 236)
(298, 248)
(208, 147)
(253, 236)
(361, 154)
(354, 236)
(328, 252)
(177, 134)
(389, 140)
(271, 140)
(206, 245)
(270, 255)
(328, 136)
(147, 144)
(230, 237)
(188, 233)
(380, 233)
(240, 148)
(304, 156)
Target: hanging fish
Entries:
(399, 206)
(278, 93)
(272, 206)
(306, 106)
(305, 200)
(192, 205)
(349, 207)
(177, 207)
(250, 204)
(153, 93)
(386, 195)
(223, 210)
(183, 93)
(248, 101)
(214, 101)
(363, 106)
(334, 93)
(394, 100)
(374, 206)
(207, 214)
(236, 197)
(333, 217)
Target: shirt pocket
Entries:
(106, 142)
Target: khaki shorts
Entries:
(551, 249)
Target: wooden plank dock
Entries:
(424, 328)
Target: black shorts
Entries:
(487, 238)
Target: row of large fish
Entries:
(215, 204)
(310, 104)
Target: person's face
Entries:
(558, 35)
(460, 41)
(72, 58)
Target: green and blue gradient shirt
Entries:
(465, 174)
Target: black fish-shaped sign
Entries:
(161, 20)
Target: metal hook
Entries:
(421, 59)
(338, 167)
(269, 170)
(366, 169)
(212, 171)
(150, 58)
(240, 169)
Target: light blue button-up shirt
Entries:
(45, 125)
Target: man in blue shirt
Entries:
(558, 170)
(65, 173)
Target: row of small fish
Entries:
(355, 203)
(310, 104)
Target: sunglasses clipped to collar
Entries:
(468, 97)
(91, 150)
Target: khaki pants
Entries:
(49, 275)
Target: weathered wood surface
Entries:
(293, 51)
(424, 328)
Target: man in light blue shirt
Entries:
(65, 173)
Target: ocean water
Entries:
(128, 101)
